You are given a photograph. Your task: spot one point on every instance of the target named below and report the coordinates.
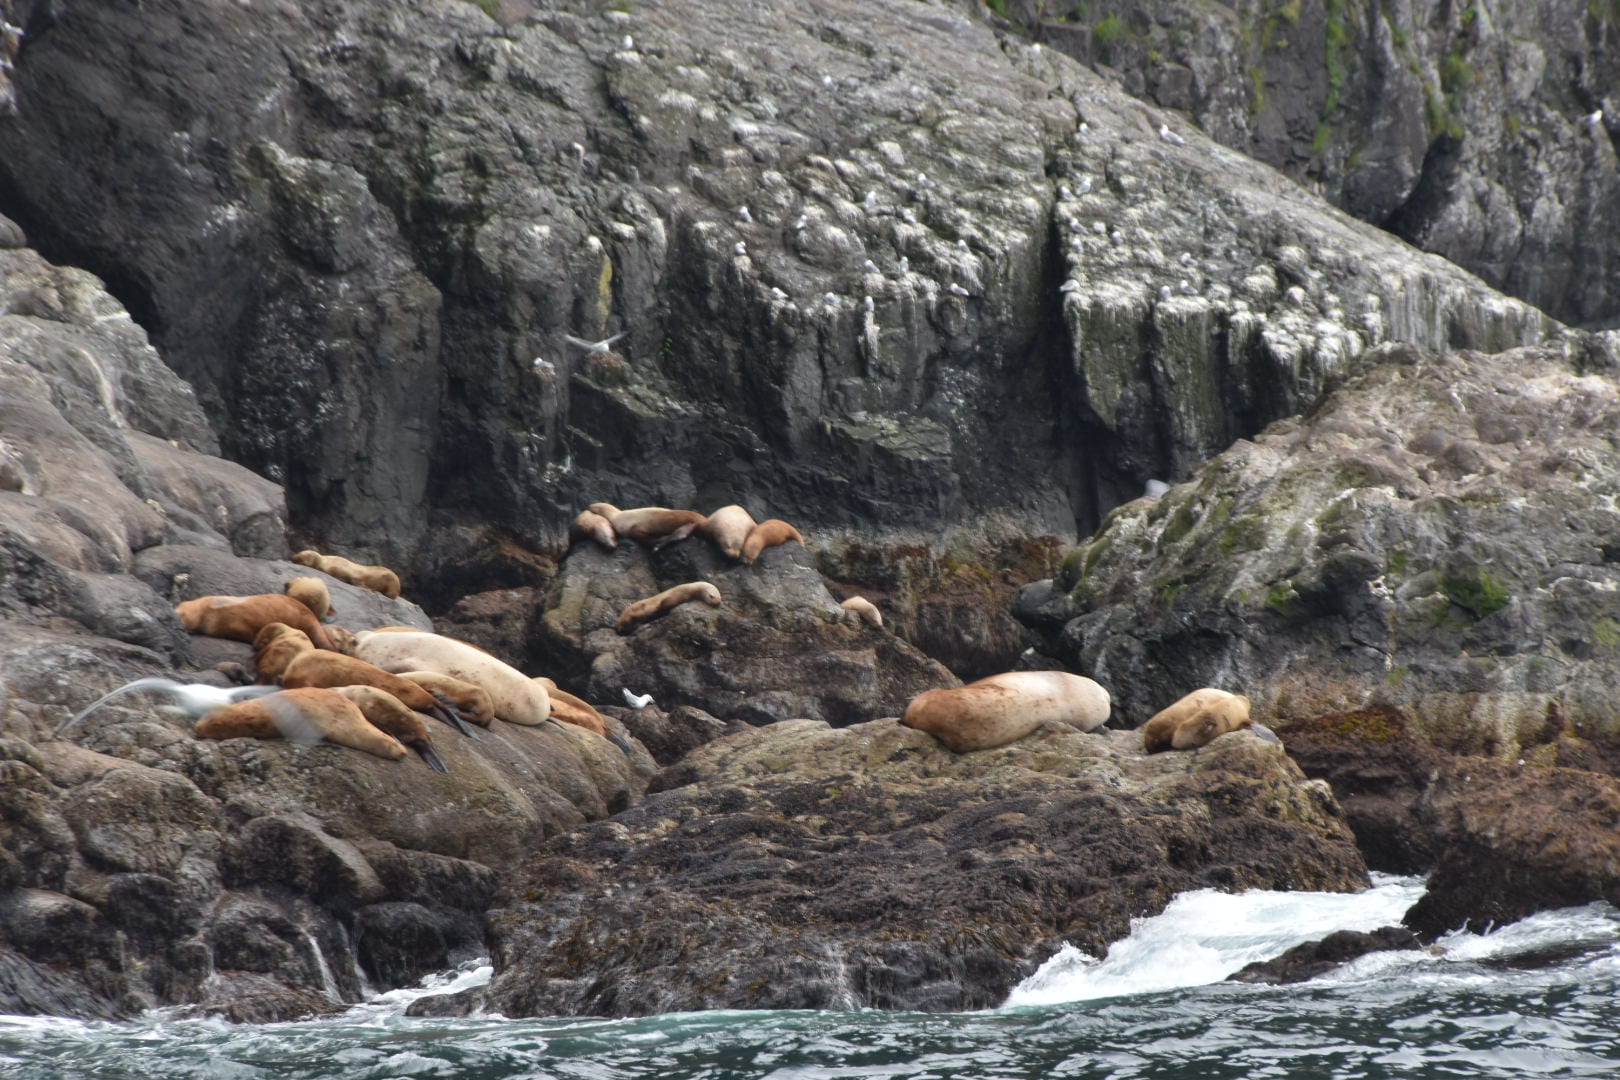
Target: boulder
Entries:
(804, 866)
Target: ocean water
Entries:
(1539, 998)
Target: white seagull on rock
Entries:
(605, 345)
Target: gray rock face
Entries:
(1483, 133)
(1438, 536)
(841, 277)
(778, 647)
(799, 866)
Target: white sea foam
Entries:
(1204, 936)
(470, 974)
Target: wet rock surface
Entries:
(799, 866)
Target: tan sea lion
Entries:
(572, 710)
(654, 526)
(657, 605)
(389, 714)
(470, 702)
(1195, 720)
(281, 659)
(768, 533)
(863, 608)
(242, 617)
(367, 576)
(313, 594)
(514, 696)
(305, 716)
(275, 646)
(728, 527)
(592, 526)
(1001, 708)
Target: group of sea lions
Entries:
(371, 690)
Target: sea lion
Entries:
(864, 609)
(281, 659)
(304, 716)
(572, 710)
(1195, 720)
(728, 527)
(657, 605)
(1001, 708)
(470, 702)
(389, 714)
(274, 647)
(367, 576)
(514, 696)
(313, 594)
(768, 533)
(592, 526)
(654, 526)
(242, 617)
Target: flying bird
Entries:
(194, 699)
(603, 346)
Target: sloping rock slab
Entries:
(801, 866)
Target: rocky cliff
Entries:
(1482, 132)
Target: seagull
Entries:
(830, 299)
(905, 265)
(194, 699)
(741, 248)
(743, 215)
(603, 346)
(629, 43)
(543, 366)
(869, 266)
(1170, 137)
(778, 294)
(957, 290)
(1085, 185)
(1594, 118)
(1155, 488)
(1069, 286)
(870, 304)
(803, 221)
(637, 701)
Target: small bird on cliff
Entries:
(603, 346)
(1170, 137)
(194, 699)
(637, 701)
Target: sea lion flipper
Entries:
(619, 741)
(451, 715)
(434, 761)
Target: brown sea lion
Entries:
(242, 617)
(657, 605)
(514, 696)
(592, 526)
(275, 646)
(313, 594)
(1001, 708)
(367, 576)
(389, 714)
(768, 533)
(864, 609)
(728, 527)
(281, 660)
(654, 526)
(470, 702)
(305, 716)
(1195, 720)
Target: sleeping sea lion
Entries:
(657, 605)
(863, 609)
(367, 576)
(514, 696)
(389, 714)
(313, 594)
(1001, 708)
(242, 617)
(768, 533)
(304, 716)
(654, 526)
(1195, 720)
(728, 527)
(592, 526)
